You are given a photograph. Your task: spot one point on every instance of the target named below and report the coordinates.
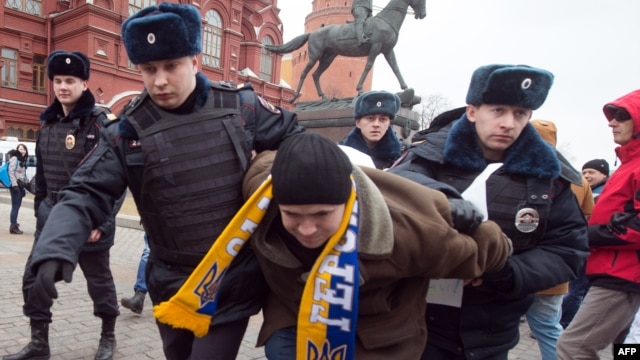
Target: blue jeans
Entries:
(16, 201)
(544, 321)
(281, 345)
(577, 290)
(141, 283)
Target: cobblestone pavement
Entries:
(75, 332)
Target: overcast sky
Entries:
(592, 47)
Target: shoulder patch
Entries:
(269, 107)
(111, 116)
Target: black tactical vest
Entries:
(63, 145)
(511, 202)
(193, 170)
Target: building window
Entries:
(131, 65)
(29, 6)
(32, 135)
(212, 39)
(136, 5)
(266, 60)
(17, 132)
(38, 73)
(10, 68)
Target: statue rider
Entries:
(361, 10)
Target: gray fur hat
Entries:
(163, 32)
(515, 85)
(376, 102)
(74, 63)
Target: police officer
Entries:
(526, 191)
(373, 134)
(361, 10)
(69, 130)
(182, 148)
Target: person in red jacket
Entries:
(613, 267)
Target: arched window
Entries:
(136, 5)
(266, 60)
(212, 39)
(33, 7)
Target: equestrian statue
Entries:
(379, 36)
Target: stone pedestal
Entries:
(334, 119)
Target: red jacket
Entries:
(615, 257)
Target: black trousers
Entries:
(96, 270)
(222, 342)
(102, 290)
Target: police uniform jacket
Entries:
(121, 160)
(54, 168)
(531, 187)
(383, 154)
(405, 238)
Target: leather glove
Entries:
(48, 273)
(466, 217)
(500, 280)
(618, 222)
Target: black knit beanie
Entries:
(597, 164)
(311, 169)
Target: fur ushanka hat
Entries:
(376, 102)
(74, 63)
(162, 32)
(515, 85)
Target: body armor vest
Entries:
(62, 146)
(510, 198)
(192, 178)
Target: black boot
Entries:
(107, 345)
(15, 229)
(38, 347)
(134, 303)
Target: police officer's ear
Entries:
(471, 112)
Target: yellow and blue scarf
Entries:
(329, 306)
(193, 306)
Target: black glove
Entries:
(50, 271)
(618, 222)
(466, 217)
(501, 279)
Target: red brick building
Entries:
(233, 34)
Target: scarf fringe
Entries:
(181, 316)
(195, 303)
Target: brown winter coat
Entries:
(406, 237)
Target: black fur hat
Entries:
(75, 64)
(515, 85)
(163, 32)
(376, 102)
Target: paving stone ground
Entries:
(75, 332)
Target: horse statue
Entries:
(330, 41)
